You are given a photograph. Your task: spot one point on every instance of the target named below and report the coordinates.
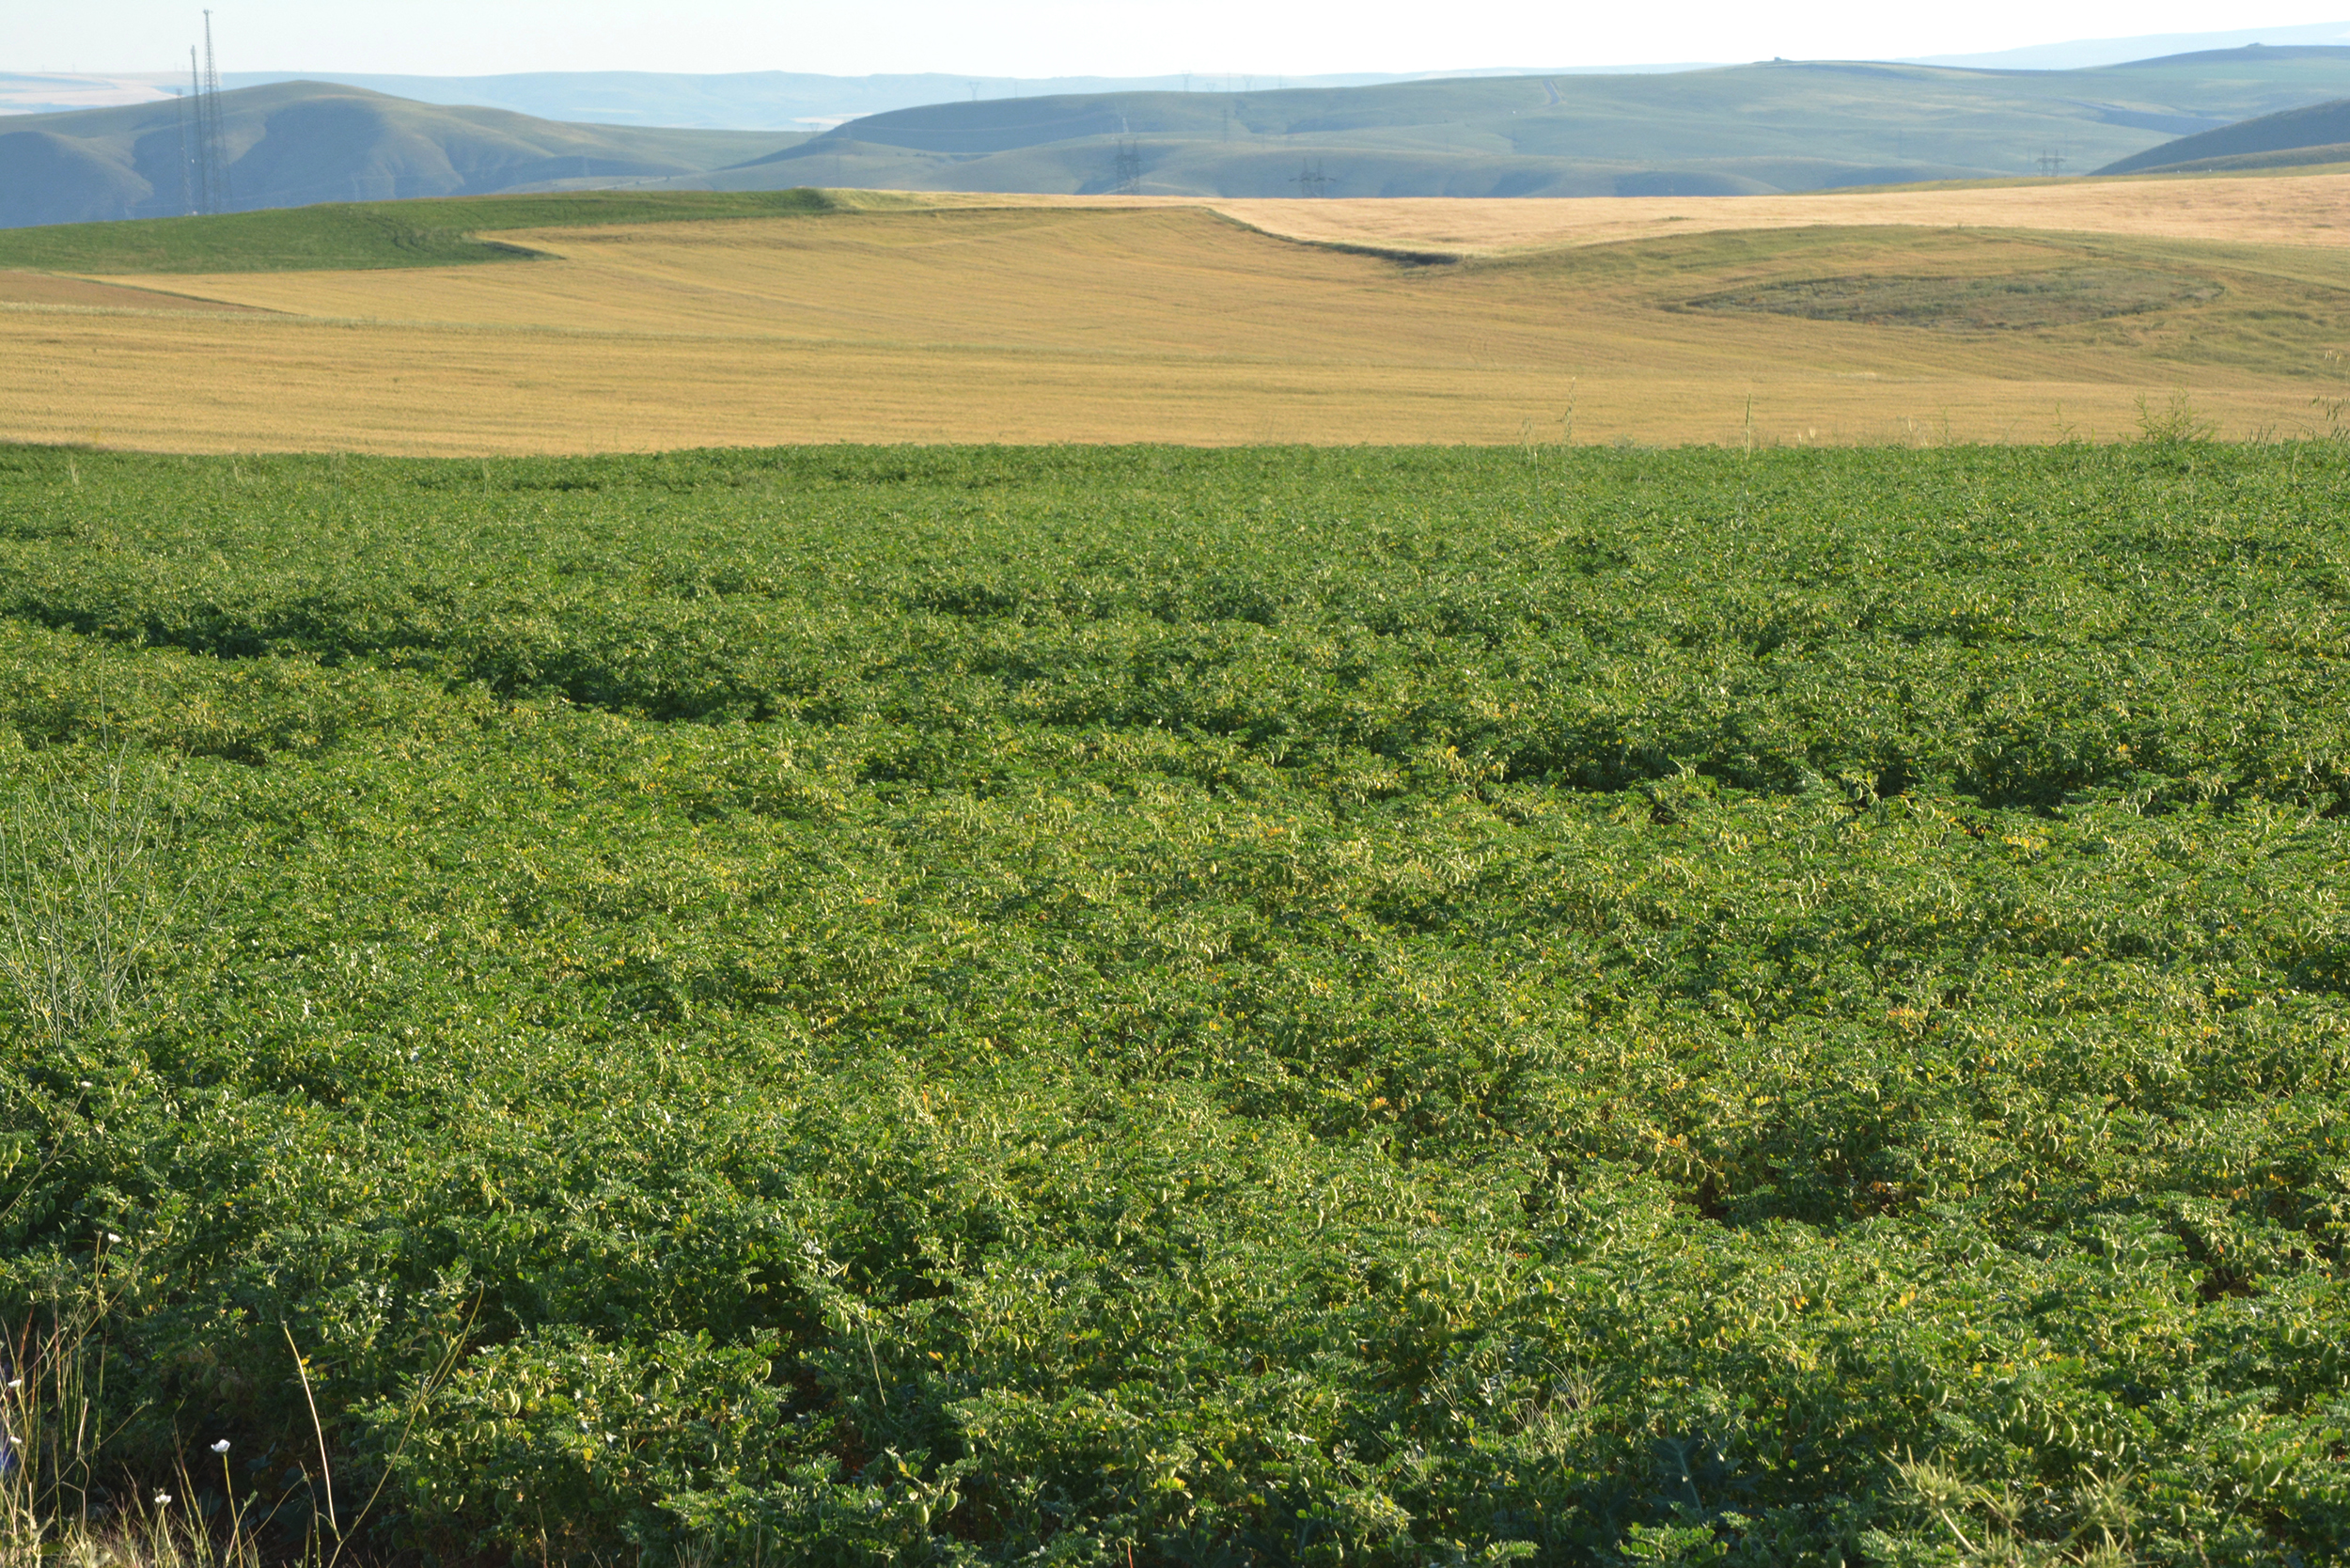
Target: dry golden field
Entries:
(2054, 310)
(2286, 209)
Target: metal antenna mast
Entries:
(187, 174)
(215, 152)
(196, 168)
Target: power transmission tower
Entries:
(1311, 181)
(1129, 169)
(2051, 164)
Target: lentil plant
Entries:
(1316, 1006)
(86, 898)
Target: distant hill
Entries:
(730, 101)
(1778, 125)
(801, 101)
(2081, 54)
(2314, 133)
(1775, 126)
(301, 142)
(776, 100)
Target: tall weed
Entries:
(90, 892)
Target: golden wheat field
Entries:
(2289, 208)
(2020, 313)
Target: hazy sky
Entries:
(1048, 37)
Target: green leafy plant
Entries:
(1374, 1007)
(2175, 423)
(88, 894)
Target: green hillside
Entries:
(2303, 158)
(2314, 133)
(351, 235)
(302, 142)
(1775, 126)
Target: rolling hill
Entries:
(799, 101)
(1777, 126)
(2317, 133)
(302, 142)
(717, 100)
(768, 99)
(630, 320)
(1774, 126)
(2078, 53)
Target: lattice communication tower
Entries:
(203, 143)
(187, 153)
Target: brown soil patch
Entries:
(47, 289)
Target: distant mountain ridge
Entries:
(302, 142)
(1783, 125)
(2088, 54)
(781, 100)
(725, 100)
(800, 101)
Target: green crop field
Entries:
(438, 231)
(1137, 1006)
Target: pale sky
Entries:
(1052, 37)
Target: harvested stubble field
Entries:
(1133, 1007)
(1032, 320)
(2285, 209)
